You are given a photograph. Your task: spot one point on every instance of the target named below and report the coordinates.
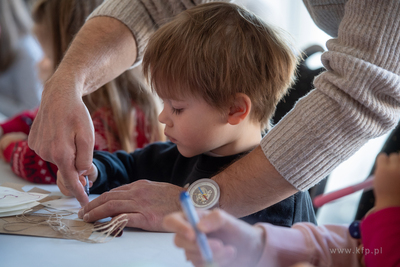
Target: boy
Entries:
(220, 72)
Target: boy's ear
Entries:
(239, 109)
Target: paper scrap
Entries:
(14, 202)
(66, 204)
(10, 197)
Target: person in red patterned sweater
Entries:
(124, 115)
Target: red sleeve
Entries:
(142, 128)
(106, 132)
(28, 165)
(380, 233)
(19, 123)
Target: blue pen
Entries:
(87, 185)
(193, 219)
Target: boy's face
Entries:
(194, 126)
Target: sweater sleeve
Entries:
(329, 245)
(380, 233)
(356, 99)
(26, 164)
(19, 123)
(154, 162)
(143, 17)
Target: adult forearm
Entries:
(251, 184)
(102, 50)
(355, 100)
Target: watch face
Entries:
(204, 193)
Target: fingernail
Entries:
(86, 217)
(80, 213)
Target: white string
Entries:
(104, 231)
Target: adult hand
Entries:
(92, 174)
(232, 241)
(145, 202)
(62, 132)
(387, 181)
(10, 138)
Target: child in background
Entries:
(235, 243)
(124, 116)
(220, 72)
(20, 88)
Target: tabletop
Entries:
(135, 248)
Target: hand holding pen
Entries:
(233, 242)
(193, 219)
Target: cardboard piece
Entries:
(14, 224)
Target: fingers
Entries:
(213, 221)
(394, 159)
(71, 185)
(106, 205)
(84, 142)
(382, 158)
(222, 255)
(177, 223)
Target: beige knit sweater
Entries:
(356, 99)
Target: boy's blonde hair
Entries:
(63, 19)
(217, 50)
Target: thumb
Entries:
(73, 184)
(213, 221)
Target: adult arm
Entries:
(110, 42)
(62, 132)
(356, 99)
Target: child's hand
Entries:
(9, 138)
(387, 181)
(92, 174)
(232, 241)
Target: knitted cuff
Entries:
(355, 100)
(7, 153)
(326, 14)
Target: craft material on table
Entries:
(14, 202)
(53, 216)
(66, 204)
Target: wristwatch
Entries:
(204, 194)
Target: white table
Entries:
(134, 248)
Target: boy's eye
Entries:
(176, 110)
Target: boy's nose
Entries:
(164, 119)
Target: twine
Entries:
(104, 231)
